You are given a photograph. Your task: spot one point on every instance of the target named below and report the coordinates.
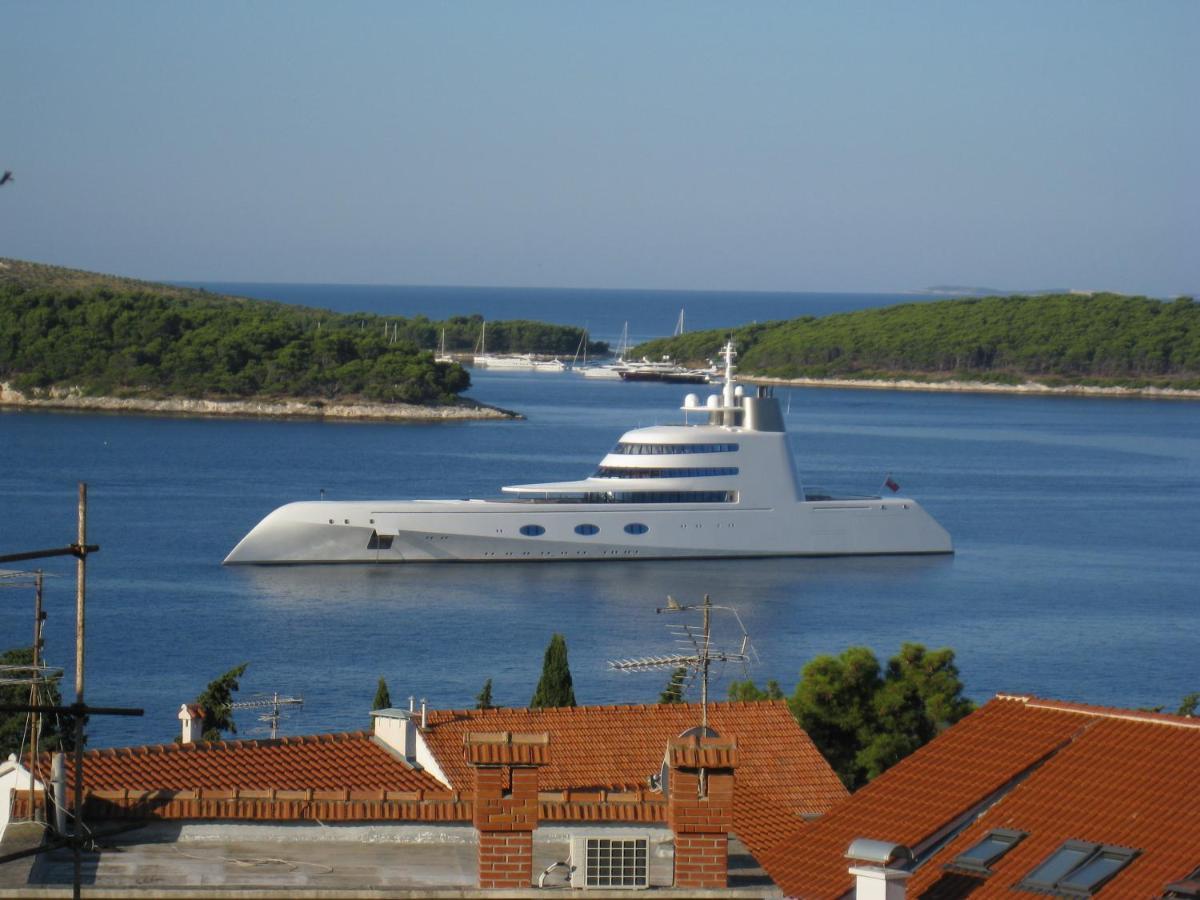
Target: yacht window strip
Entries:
(628, 449)
(636, 497)
(630, 472)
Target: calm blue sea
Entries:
(1076, 521)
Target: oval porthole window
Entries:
(587, 529)
(636, 528)
(532, 530)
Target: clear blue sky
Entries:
(765, 146)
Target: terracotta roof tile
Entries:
(1056, 771)
(780, 775)
(350, 760)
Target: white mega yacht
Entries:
(720, 486)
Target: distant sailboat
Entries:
(441, 354)
(527, 361)
(611, 370)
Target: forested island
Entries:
(1100, 340)
(66, 331)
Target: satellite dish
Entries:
(700, 731)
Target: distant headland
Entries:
(71, 339)
(1087, 344)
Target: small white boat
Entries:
(722, 487)
(610, 370)
(526, 361)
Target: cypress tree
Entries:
(673, 692)
(483, 700)
(554, 688)
(383, 699)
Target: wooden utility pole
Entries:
(35, 719)
(80, 597)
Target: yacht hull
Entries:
(490, 531)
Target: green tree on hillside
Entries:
(1053, 338)
(116, 338)
(554, 688)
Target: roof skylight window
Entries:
(980, 857)
(1077, 869)
(1188, 889)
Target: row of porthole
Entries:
(585, 529)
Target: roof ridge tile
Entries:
(1149, 717)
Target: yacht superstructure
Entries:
(722, 484)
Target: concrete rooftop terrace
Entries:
(299, 860)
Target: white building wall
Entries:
(13, 776)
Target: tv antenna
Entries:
(273, 705)
(696, 653)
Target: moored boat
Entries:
(720, 484)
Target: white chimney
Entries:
(877, 869)
(192, 717)
(424, 715)
(396, 729)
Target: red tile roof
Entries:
(780, 775)
(591, 754)
(1056, 771)
(352, 761)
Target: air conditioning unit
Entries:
(610, 862)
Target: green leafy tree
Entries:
(383, 698)
(216, 700)
(483, 700)
(864, 720)
(749, 691)
(53, 732)
(1189, 705)
(834, 703)
(554, 688)
(673, 692)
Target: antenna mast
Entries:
(273, 705)
(699, 642)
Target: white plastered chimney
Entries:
(877, 869)
(192, 718)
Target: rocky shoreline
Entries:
(981, 387)
(73, 400)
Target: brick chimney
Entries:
(192, 717)
(700, 808)
(506, 803)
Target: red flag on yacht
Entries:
(890, 484)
